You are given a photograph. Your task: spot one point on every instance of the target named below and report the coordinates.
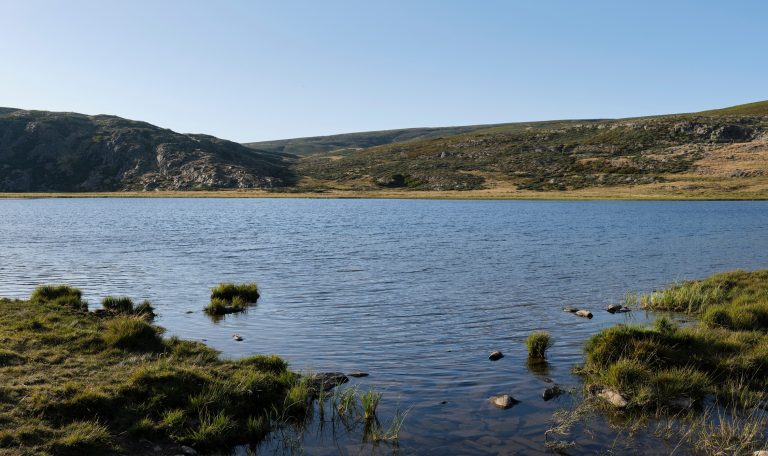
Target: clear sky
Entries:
(258, 70)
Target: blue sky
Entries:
(258, 70)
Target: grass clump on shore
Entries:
(75, 382)
(62, 295)
(724, 355)
(229, 298)
(123, 305)
(538, 343)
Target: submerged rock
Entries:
(327, 380)
(613, 397)
(613, 308)
(495, 356)
(503, 401)
(358, 374)
(683, 403)
(584, 313)
(551, 392)
(570, 309)
(237, 337)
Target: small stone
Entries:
(613, 308)
(570, 309)
(683, 403)
(616, 399)
(551, 393)
(358, 374)
(443, 402)
(503, 401)
(495, 356)
(584, 313)
(237, 337)
(189, 451)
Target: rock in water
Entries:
(503, 401)
(613, 308)
(551, 392)
(495, 356)
(358, 374)
(188, 451)
(327, 380)
(237, 337)
(584, 313)
(570, 309)
(613, 397)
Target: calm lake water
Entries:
(417, 293)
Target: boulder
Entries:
(570, 309)
(760, 453)
(503, 401)
(613, 397)
(613, 308)
(327, 380)
(584, 313)
(551, 392)
(495, 356)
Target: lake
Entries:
(414, 292)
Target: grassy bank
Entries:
(80, 382)
(724, 354)
(703, 382)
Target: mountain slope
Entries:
(559, 155)
(349, 141)
(53, 151)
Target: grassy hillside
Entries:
(560, 155)
(351, 141)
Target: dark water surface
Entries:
(414, 292)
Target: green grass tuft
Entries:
(132, 333)
(538, 343)
(63, 295)
(248, 292)
(118, 304)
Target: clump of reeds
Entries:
(538, 343)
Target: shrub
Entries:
(131, 333)
(538, 343)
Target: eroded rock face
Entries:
(46, 151)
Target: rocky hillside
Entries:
(561, 155)
(52, 151)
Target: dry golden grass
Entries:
(691, 186)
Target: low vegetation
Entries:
(78, 382)
(538, 343)
(229, 298)
(704, 383)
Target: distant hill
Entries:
(558, 155)
(335, 143)
(61, 151)
(722, 150)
